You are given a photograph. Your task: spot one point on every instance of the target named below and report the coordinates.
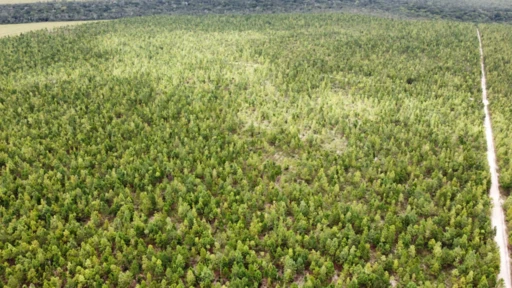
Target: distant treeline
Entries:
(95, 10)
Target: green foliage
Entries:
(460, 10)
(496, 43)
(246, 151)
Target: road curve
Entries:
(497, 215)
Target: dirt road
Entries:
(497, 215)
(16, 29)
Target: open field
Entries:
(16, 29)
(266, 150)
(3, 2)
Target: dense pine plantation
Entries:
(496, 41)
(246, 151)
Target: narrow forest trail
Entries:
(497, 215)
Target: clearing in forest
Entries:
(16, 29)
(35, 1)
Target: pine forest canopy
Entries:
(23, 11)
(290, 150)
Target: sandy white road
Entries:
(16, 29)
(497, 215)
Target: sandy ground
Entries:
(497, 215)
(33, 1)
(16, 29)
